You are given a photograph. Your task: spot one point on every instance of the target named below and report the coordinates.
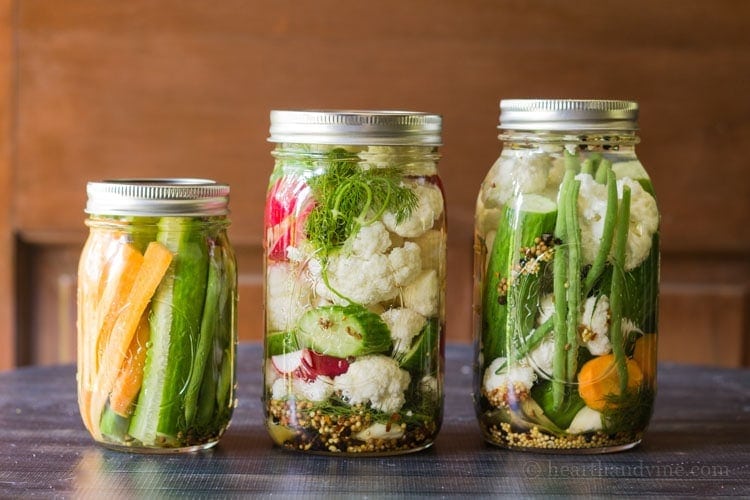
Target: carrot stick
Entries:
(156, 261)
(121, 276)
(92, 271)
(129, 379)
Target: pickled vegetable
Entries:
(162, 326)
(355, 258)
(566, 324)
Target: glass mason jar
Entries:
(157, 309)
(566, 280)
(355, 244)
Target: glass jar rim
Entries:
(568, 114)
(363, 127)
(157, 196)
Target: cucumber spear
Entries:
(177, 308)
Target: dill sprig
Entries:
(335, 407)
(628, 411)
(349, 198)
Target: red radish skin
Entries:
(308, 365)
(287, 206)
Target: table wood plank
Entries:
(698, 445)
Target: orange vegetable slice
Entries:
(129, 380)
(156, 261)
(92, 273)
(121, 275)
(644, 354)
(598, 381)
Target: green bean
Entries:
(610, 218)
(587, 167)
(530, 343)
(574, 277)
(602, 171)
(559, 288)
(209, 321)
(617, 291)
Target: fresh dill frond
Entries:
(348, 198)
(628, 411)
(424, 412)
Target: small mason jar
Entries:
(355, 245)
(157, 309)
(566, 272)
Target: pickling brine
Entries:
(157, 295)
(354, 283)
(566, 280)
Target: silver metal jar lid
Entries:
(568, 114)
(383, 128)
(189, 197)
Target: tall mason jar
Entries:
(355, 244)
(566, 280)
(157, 314)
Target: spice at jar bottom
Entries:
(354, 283)
(566, 270)
(157, 295)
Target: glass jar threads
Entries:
(566, 280)
(157, 308)
(354, 282)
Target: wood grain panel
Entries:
(705, 324)
(7, 288)
(184, 87)
(702, 320)
(123, 89)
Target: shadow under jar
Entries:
(157, 315)
(566, 280)
(354, 266)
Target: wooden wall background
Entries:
(92, 89)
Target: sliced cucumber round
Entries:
(423, 354)
(343, 331)
(531, 217)
(281, 343)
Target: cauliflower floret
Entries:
(405, 262)
(522, 172)
(592, 208)
(404, 325)
(319, 389)
(376, 379)
(497, 387)
(424, 215)
(362, 280)
(423, 294)
(542, 356)
(386, 156)
(644, 221)
(432, 246)
(370, 240)
(362, 271)
(595, 325)
(286, 296)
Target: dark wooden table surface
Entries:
(698, 445)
